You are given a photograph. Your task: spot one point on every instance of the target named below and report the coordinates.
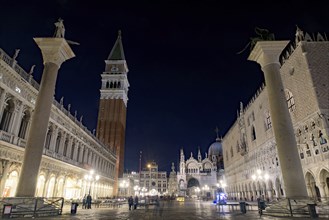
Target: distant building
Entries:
(252, 168)
(200, 176)
(128, 184)
(153, 180)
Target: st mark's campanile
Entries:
(111, 124)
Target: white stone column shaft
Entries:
(54, 52)
(267, 53)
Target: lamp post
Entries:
(149, 166)
(137, 189)
(205, 189)
(221, 195)
(91, 178)
(144, 190)
(197, 191)
(124, 185)
(221, 186)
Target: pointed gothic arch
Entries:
(48, 137)
(7, 115)
(24, 124)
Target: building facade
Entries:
(149, 181)
(200, 176)
(154, 181)
(252, 168)
(71, 151)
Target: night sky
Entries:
(185, 75)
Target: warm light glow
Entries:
(148, 165)
(266, 176)
(259, 171)
(97, 177)
(92, 172)
(253, 177)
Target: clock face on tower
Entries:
(114, 68)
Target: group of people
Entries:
(132, 202)
(86, 202)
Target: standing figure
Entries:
(84, 202)
(130, 202)
(135, 202)
(60, 29)
(89, 201)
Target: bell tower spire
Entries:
(111, 123)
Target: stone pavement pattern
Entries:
(191, 210)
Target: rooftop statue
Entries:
(263, 35)
(60, 29)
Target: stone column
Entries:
(54, 52)
(267, 53)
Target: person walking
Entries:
(130, 202)
(84, 202)
(135, 202)
(89, 199)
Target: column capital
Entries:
(267, 52)
(54, 50)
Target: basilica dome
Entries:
(216, 148)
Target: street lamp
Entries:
(144, 190)
(91, 178)
(205, 189)
(137, 189)
(221, 185)
(124, 184)
(149, 166)
(197, 191)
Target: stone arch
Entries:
(270, 189)
(24, 124)
(11, 184)
(40, 185)
(324, 182)
(312, 189)
(278, 188)
(193, 182)
(192, 167)
(51, 186)
(59, 190)
(7, 114)
(71, 190)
